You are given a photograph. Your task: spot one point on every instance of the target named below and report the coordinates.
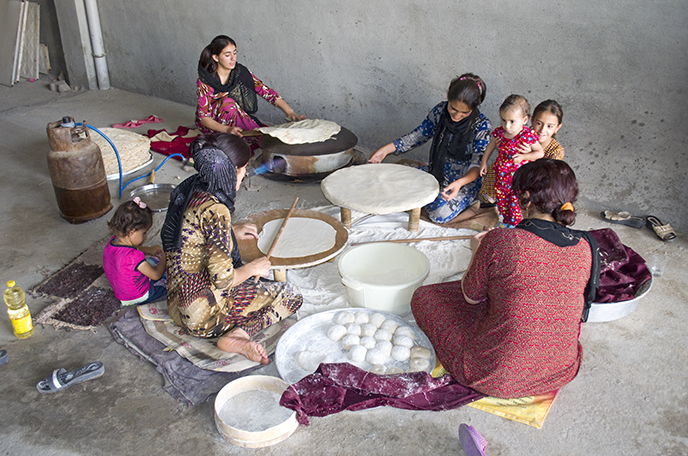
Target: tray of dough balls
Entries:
(375, 341)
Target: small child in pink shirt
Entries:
(124, 258)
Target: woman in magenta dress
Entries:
(510, 327)
(227, 91)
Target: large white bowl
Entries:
(609, 311)
(383, 275)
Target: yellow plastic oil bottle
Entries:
(18, 310)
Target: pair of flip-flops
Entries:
(664, 231)
(472, 442)
(138, 123)
(61, 379)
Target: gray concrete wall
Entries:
(618, 68)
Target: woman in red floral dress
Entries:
(510, 327)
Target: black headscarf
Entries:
(562, 236)
(239, 86)
(217, 176)
(451, 140)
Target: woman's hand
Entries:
(381, 153)
(233, 130)
(476, 240)
(451, 190)
(483, 169)
(258, 267)
(294, 117)
(245, 231)
(518, 158)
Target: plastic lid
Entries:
(11, 284)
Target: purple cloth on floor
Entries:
(184, 380)
(622, 270)
(336, 387)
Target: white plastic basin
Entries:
(383, 275)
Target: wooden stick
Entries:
(251, 133)
(279, 233)
(408, 241)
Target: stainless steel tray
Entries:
(156, 196)
(311, 334)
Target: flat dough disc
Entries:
(303, 132)
(133, 149)
(380, 188)
(301, 237)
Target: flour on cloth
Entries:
(302, 236)
(303, 132)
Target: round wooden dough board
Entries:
(250, 251)
(381, 188)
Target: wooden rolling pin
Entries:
(249, 133)
(279, 233)
(408, 241)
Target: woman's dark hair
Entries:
(129, 216)
(467, 88)
(552, 107)
(516, 102)
(235, 147)
(214, 48)
(547, 185)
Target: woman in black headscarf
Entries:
(207, 288)
(459, 133)
(227, 91)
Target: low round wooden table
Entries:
(249, 247)
(380, 189)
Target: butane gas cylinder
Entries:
(77, 171)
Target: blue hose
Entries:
(119, 161)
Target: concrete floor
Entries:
(630, 397)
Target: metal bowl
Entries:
(609, 311)
(156, 196)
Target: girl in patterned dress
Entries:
(227, 91)
(513, 133)
(547, 120)
(208, 288)
(459, 133)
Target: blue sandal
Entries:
(61, 379)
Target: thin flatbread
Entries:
(303, 132)
(302, 236)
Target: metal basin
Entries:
(609, 311)
(156, 196)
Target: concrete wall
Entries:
(618, 68)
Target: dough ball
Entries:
(358, 353)
(309, 360)
(404, 341)
(349, 341)
(368, 342)
(336, 332)
(375, 356)
(394, 370)
(353, 328)
(406, 331)
(384, 346)
(389, 325)
(361, 318)
(401, 353)
(420, 352)
(377, 319)
(377, 369)
(343, 318)
(368, 330)
(383, 334)
(418, 364)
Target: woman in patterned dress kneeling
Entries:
(208, 288)
(510, 327)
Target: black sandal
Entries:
(663, 231)
(623, 218)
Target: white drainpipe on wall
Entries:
(97, 44)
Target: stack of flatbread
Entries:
(133, 149)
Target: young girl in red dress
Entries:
(510, 137)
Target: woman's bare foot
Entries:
(238, 341)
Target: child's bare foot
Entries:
(238, 341)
